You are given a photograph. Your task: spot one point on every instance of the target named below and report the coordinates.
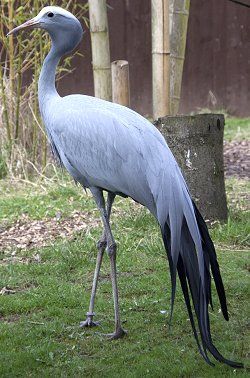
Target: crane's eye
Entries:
(50, 14)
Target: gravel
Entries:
(237, 159)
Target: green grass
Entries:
(236, 232)
(237, 129)
(39, 332)
(38, 202)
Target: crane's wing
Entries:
(100, 149)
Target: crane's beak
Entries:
(33, 23)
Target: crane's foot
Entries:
(89, 321)
(118, 334)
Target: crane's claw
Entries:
(118, 334)
(89, 321)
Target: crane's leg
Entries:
(111, 250)
(101, 246)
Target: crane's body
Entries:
(121, 160)
(106, 146)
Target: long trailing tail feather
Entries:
(193, 256)
(182, 276)
(210, 255)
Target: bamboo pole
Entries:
(18, 89)
(35, 107)
(11, 63)
(120, 82)
(100, 48)
(179, 23)
(6, 115)
(5, 108)
(160, 57)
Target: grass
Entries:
(237, 229)
(38, 204)
(237, 129)
(39, 328)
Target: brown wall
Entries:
(217, 55)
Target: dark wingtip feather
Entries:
(166, 240)
(209, 250)
(191, 283)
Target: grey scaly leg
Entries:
(111, 250)
(90, 314)
(101, 246)
(119, 332)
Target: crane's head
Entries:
(64, 28)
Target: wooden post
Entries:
(120, 82)
(100, 48)
(160, 57)
(178, 36)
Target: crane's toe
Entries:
(89, 321)
(118, 334)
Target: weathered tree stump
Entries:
(197, 144)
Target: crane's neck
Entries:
(46, 84)
(64, 39)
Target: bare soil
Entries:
(26, 233)
(237, 159)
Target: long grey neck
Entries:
(46, 84)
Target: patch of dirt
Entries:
(26, 233)
(6, 291)
(10, 318)
(237, 159)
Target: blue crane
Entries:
(108, 147)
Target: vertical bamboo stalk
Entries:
(100, 48)
(35, 107)
(2, 73)
(11, 61)
(179, 24)
(38, 62)
(160, 57)
(120, 82)
(43, 136)
(5, 108)
(19, 88)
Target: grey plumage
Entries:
(106, 146)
